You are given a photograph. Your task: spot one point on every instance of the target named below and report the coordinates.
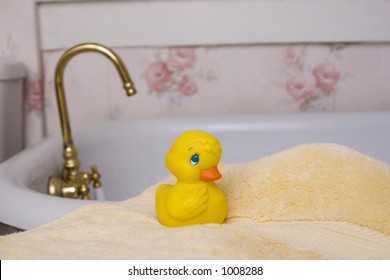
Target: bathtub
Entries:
(130, 154)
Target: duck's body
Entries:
(195, 198)
(187, 204)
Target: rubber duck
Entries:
(195, 198)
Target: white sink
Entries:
(130, 154)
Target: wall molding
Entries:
(143, 23)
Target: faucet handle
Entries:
(83, 188)
(84, 180)
(95, 177)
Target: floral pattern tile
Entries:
(218, 80)
(34, 97)
(311, 85)
(175, 74)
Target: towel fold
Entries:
(312, 182)
(296, 204)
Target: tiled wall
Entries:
(220, 80)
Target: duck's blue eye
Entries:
(194, 159)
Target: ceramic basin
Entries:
(130, 154)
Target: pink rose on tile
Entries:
(290, 57)
(158, 75)
(301, 86)
(180, 59)
(326, 75)
(34, 97)
(188, 87)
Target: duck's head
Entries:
(194, 156)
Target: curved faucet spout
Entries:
(128, 85)
(73, 182)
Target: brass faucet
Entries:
(74, 183)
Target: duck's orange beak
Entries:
(210, 174)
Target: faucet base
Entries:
(56, 186)
(74, 186)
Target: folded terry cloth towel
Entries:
(312, 201)
(312, 182)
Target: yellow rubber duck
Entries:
(195, 198)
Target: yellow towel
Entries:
(312, 182)
(310, 202)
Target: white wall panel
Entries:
(212, 22)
